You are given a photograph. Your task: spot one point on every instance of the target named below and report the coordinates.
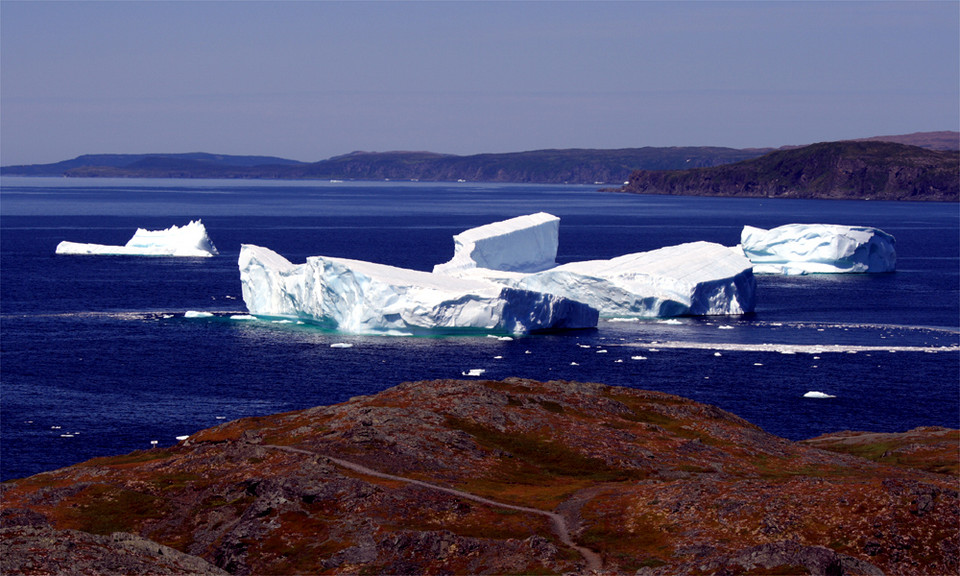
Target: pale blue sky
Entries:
(309, 80)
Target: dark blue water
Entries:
(96, 357)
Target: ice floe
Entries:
(197, 314)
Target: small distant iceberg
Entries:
(197, 314)
(817, 394)
(189, 241)
(796, 249)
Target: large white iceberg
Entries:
(522, 244)
(698, 278)
(363, 297)
(819, 249)
(187, 241)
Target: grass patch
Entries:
(133, 458)
(537, 455)
(103, 509)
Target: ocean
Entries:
(97, 358)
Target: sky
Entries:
(308, 80)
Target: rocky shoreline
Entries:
(471, 477)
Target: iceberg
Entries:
(367, 298)
(796, 249)
(190, 240)
(693, 279)
(522, 244)
(697, 278)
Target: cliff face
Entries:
(499, 477)
(838, 170)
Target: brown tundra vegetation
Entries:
(497, 477)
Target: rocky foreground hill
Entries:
(497, 477)
(861, 170)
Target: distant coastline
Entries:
(919, 166)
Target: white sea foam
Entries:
(792, 348)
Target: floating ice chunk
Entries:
(474, 372)
(699, 278)
(725, 327)
(818, 249)
(638, 357)
(816, 394)
(243, 317)
(522, 244)
(363, 297)
(190, 240)
(196, 314)
(341, 345)
(182, 438)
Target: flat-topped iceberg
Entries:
(693, 279)
(522, 244)
(186, 241)
(698, 278)
(796, 249)
(363, 297)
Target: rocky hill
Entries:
(574, 166)
(513, 476)
(836, 170)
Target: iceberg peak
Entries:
(522, 244)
